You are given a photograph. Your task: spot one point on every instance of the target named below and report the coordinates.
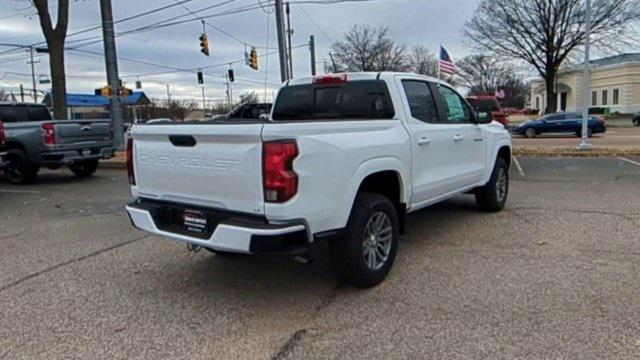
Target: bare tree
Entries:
(365, 48)
(482, 74)
(422, 61)
(250, 98)
(544, 33)
(55, 37)
(486, 74)
(175, 109)
(5, 96)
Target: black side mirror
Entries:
(483, 117)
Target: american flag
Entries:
(447, 66)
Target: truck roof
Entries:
(367, 75)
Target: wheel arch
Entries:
(384, 176)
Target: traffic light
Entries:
(200, 78)
(204, 44)
(253, 59)
(105, 91)
(231, 77)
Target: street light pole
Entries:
(585, 144)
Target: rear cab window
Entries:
(351, 100)
(23, 113)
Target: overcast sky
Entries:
(410, 22)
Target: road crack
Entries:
(286, 349)
(69, 262)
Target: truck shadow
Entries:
(267, 276)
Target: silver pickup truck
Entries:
(34, 140)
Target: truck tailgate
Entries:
(73, 132)
(211, 165)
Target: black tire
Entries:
(636, 122)
(530, 133)
(19, 170)
(348, 252)
(84, 168)
(493, 196)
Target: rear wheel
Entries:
(84, 168)
(365, 254)
(530, 133)
(589, 133)
(19, 169)
(636, 122)
(493, 196)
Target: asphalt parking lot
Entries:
(556, 275)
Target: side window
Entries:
(420, 99)
(556, 117)
(456, 110)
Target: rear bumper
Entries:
(68, 157)
(236, 233)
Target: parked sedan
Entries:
(570, 123)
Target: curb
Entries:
(574, 152)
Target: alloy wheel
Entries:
(377, 240)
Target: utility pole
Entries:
(312, 51)
(168, 94)
(585, 144)
(111, 61)
(282, 42)
(33, 74)
(335, 68)
(290, 47)
(21, 93)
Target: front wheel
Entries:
(636, 122)
(365, 254)
(493, 196)
(84, 168)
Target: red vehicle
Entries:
(488, 103)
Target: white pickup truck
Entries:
(343, 157)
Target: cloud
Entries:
(411, 22)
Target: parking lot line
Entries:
(518, 166)
(629, 161)
(11, 191)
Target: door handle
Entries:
(423, 141)
(458, 138)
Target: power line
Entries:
(316, 25)
(168, 23)
(215, 27)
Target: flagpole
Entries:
(439, 57)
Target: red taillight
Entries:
(3, 134)
(280, 181)
(330, 79)
(49, 133)
(129, 153)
